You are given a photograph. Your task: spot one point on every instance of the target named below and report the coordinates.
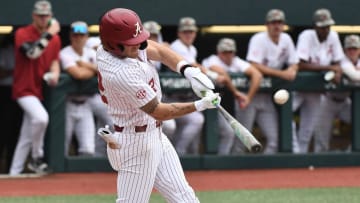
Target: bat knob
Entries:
(256, 148)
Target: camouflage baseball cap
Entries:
(352, 41)
(152, 26)
(226, 44)
(275, 15)
(322, 18)
(42, 7)
(187, 24)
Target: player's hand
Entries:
(242, 99)
(289, 74)
(108, 137)
(210, 101)
(54, 27)
(51, 78)
(200, 83)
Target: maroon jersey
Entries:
(28, 72)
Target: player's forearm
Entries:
(265, 70)
(55, 68)
(254, 85)
(163, 54)
(166, 111)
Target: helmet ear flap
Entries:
(143, 45)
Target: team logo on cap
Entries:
(140, 94)
(138, 29)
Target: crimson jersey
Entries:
(28, 73)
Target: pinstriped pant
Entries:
(145, 161)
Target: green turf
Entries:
(318, 195)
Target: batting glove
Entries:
(108, 137)
(199, 81)
(210, 101)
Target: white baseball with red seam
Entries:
(281, 96)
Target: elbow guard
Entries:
(34, 50)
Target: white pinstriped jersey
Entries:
(189, 53)
(126, 85)
(237, 65)
(310, 49)
(264, 51)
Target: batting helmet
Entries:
(119, 27)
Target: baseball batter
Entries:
(226, 61)
(130, 88)
(319, 49)
(338, 104)
(273, 53)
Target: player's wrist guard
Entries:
(181, 66)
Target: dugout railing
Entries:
(305, 81)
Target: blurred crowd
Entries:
(34, 56)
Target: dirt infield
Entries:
(105, 183)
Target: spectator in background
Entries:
(79, 62)
(273, 53)
(169, 126)
(338, 104)
(319, 49)
(11, 113)
(37, 49)
(223, 62)
(188, 127)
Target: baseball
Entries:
(281, 96)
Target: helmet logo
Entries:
(138, 29)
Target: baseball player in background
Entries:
(319, 49)
(79, 62)
(273, 53)
(189, 127)
(168, 126)
(338, 104)
(220, 64)
(37, 49)
(130, 87)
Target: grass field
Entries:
(309, 195)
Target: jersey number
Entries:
(101, 88)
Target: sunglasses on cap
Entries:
(79, 29)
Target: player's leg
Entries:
(247, 118)
(227, 136)
(170, 179)
(189, 128)
(22, 147)
(309, 116)
(33, 130)
(136, 162)
(323, 130)
(70, 122)
(267, 119)
(85, 130)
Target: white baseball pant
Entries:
(32, 133)
(263, 111)
(79, 119)
(146, 160)
(309, 104)
(330, 109)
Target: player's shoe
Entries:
(38, 166)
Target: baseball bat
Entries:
(241, 132)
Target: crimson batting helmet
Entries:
(119, 27)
